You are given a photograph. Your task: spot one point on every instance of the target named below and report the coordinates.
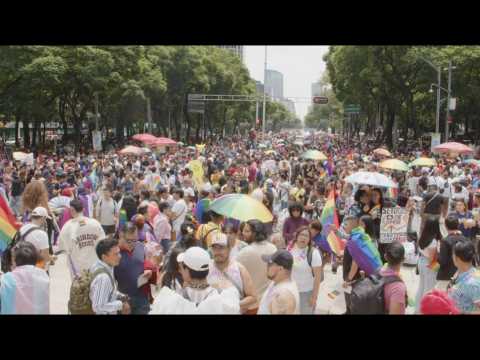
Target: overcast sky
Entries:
(300, 65)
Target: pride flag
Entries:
(392, 193)
(329, 241)
(434, 265)
(363, 251)
(8, 224)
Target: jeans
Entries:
(165, 243)
(139, 305)
(305, 308)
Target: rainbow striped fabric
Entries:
(8, 225)
(329, 241)
(363, 251)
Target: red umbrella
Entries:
(144, 137)
(452, 147)
(161, 141)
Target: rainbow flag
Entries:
(434, 265)
(329, 241)
(122, 219)
(392, 193)
(363, 251)
(8, 224)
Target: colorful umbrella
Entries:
(394, 164)
(382, 152)
(132, 150)
(241, 207)
(370, 178)
(452, 147)
(144, 137)
(423, 161)
(472, 161)
(314, 155)
(161, 141)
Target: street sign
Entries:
(453, 103)
(352, 109)
(196, 107)
(320, 100)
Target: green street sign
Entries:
(352, 109)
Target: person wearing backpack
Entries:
(107, 211)
(383, 292)
(307, 269)
(34, 233)
(104, 296)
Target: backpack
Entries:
(6, 263)
(309, 258)
(79, 302)
(367, 297)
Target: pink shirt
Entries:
(162, 227)
(394, 292)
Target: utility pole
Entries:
(439, 81)
(264, 94)
(169, 126)
(256, 113)
(448, 99)
(97, 115)
(149, 116)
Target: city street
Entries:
(60, 286)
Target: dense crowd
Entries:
(140, 237)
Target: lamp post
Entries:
(264, 95)
(449, 91)
(439, 84)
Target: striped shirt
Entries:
(102, 293)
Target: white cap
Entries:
(219, 238)
(40, 211)
(189, 192)
(195, 258)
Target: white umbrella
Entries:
(371, 178)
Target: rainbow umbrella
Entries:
(394, 164)
(241, 207)
(314, 155)
(423, 161)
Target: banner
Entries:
(435, 140)
(394, 225)
(197, 169)
(97, 140)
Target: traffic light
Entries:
(320, 100)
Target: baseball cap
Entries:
(195, 258)
(41, 212)
(281, 257)
(219, 238)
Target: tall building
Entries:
(236, 49)
(259, 86)
(274, 84)
(290, 105)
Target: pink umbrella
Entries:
(132, 150)
(161, 141)
(452, 147)
(144, 137)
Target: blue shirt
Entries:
(466, 291)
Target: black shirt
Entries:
(447, 268)
(347, 265)
(433, 203)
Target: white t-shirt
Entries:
(106, 211)
(412, 183)
(78, 238)
(302, 272)
(38, 238)
(179, 208)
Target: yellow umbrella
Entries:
(423, 161)
(394, 164)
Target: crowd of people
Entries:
(140, 238)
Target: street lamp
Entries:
(439, 80)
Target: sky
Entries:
(300, 65)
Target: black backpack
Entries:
(367, 297)
(6, 264)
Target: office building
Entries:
(274, 84)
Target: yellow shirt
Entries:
(205, 231)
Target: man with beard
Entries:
(225, 269)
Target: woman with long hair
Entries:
(307, 269)
(171, 276)
(294, 221)
(427, 263)
(34, 195)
